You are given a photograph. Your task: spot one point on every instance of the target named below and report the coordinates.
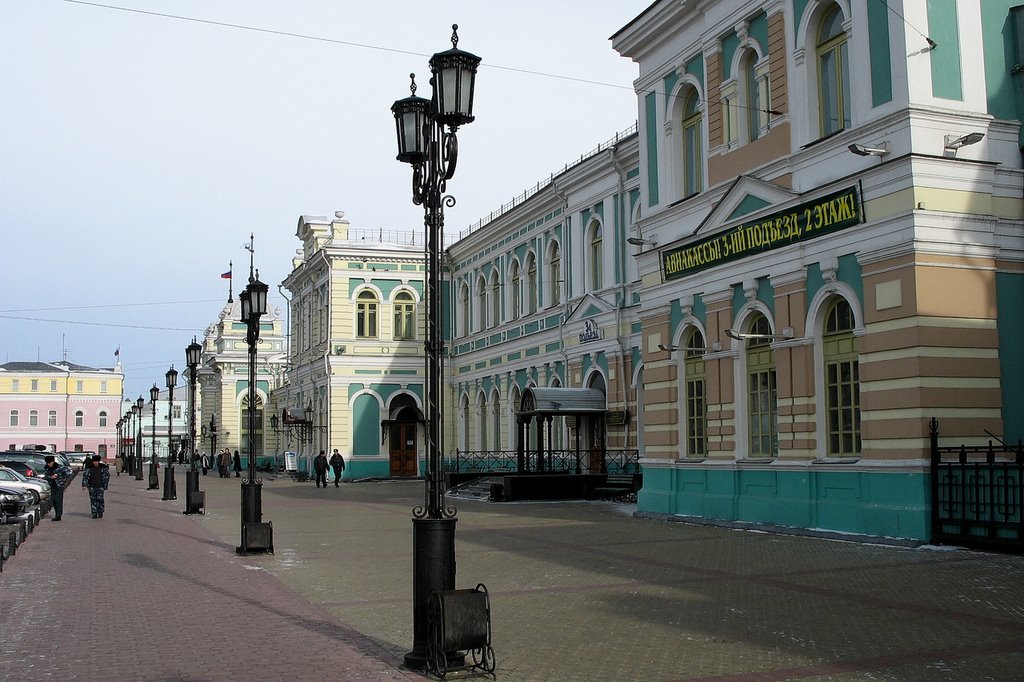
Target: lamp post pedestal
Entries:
(195, 499)
(433, 570)
(154, 476)
(170, 489)
(257, 537)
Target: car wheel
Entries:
(36, 497)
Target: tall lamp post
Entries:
(137, 442)
(257, 536)
(170, 490)
(154, 477)
(194, 497)
(427, 141)
(213, 439)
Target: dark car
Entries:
(26, 465)
(13, 502)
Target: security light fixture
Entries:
(953, 142)
(640, 241)
(881, 149)
(787, 333)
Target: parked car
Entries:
(76, 458)
(14, 502)
(26, 466)
(38, 488)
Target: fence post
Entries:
(933, 433)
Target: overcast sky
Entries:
(138, 151)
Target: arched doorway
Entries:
(595, 436)
(405, 416)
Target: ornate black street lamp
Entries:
(137, 442)
(194, 497)
(213, 438)
(257, 536)
(154, 477)
(427, 141)
(170, 489)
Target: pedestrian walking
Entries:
(320, 467)
(204, 462)
(225, 463)
(57, 475)
(96, 478)
(338, 464)
(237, 464)
(118, 464)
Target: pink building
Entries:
(61, 405)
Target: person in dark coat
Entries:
(57, 475)
(96, 478)
(338, 464)
(237, 464)
(320, 468)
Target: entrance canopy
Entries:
(538, 401)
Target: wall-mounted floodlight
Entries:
(787, 333)
(640, 241)
(715, 347)
(881, 149)
(953, 142)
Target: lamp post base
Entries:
(257, 537)
(154, 477)
(195, 499)
(433, 559)
(170, 489)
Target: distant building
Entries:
(356, 354)
(60, 405)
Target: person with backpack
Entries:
(337, 463)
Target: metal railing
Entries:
(977, 494)
(560, 461)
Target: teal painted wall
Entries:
(365, 426)
(651, 129)
(695, 67)
(1004, 100)
(730, 43)
(758, 31)
(868, 503)
(798, 11)
(881, 57)
(944, 29)
(1009, 298)
(749, 204)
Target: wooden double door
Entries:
(404, 461)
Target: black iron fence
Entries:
(555, 461)
(977, 494)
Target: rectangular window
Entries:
(33, 418)
(696, 419)
(35, 384)
(764, 440)
(53, 385)
(14, 385)
(843, 394)
(103, 387)
(177, 411)
(79, 386)
(51, 418)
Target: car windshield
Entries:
(11, 475)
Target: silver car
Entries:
(38, 489)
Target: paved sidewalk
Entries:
(146, 593)
(579, 591)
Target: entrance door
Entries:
(404, 462)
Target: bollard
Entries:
(38, 514)
(31, 521)
(22, 530)
(12, 543)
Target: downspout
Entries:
(287, 355)
(327, 351)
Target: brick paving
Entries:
(579, 591)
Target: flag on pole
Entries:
(225, 275)
(117, 352)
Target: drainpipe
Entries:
(623, 393)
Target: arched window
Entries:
(693, 145)
(842, 381)
(555, 269)
(495, 300)
(51, 418)
(14, 417)
(465, 327)
(482, 421)
(833, 74)
(366, 315)
(757, 94)
(33, 418)
(481, 304)
(79, 418)
(252, 439)
(761, 392)
(103, 417)
(496, 419)
(531, 283)
(516, 291)
(596, 256)
(405, 316)
(696, 395)
(465, 422)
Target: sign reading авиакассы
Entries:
(823, 215)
